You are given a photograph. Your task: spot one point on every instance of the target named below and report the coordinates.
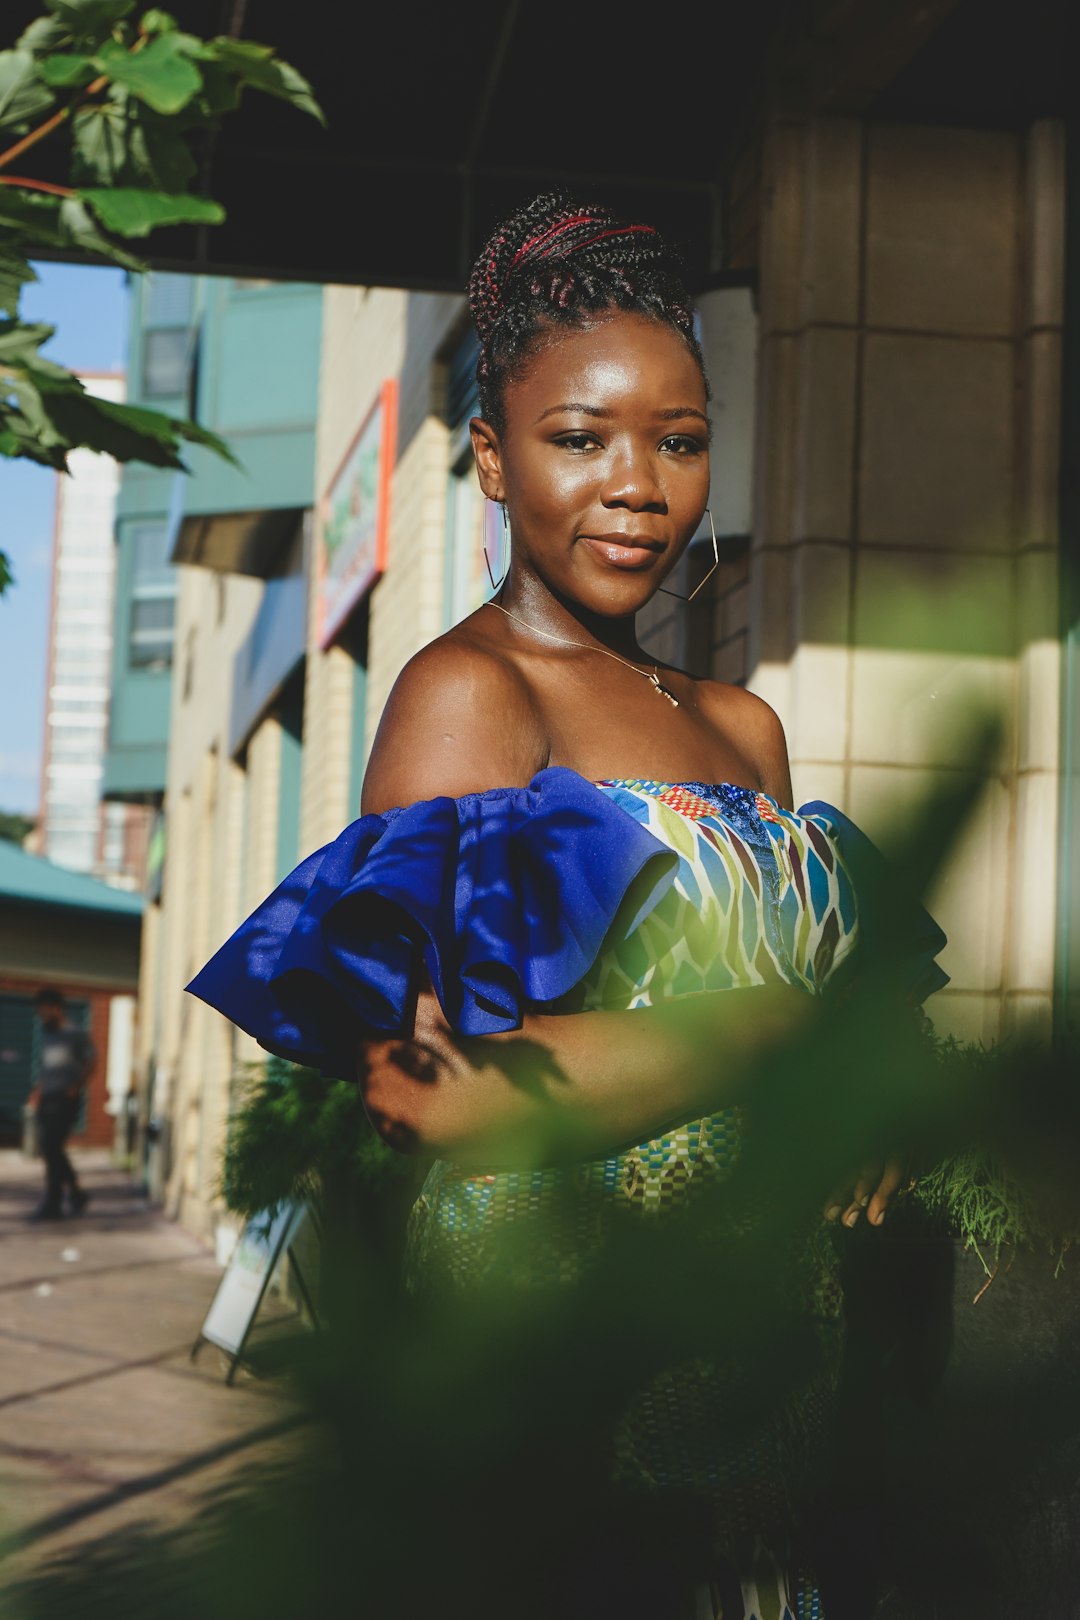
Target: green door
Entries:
(19, 1030)
(20, 1054)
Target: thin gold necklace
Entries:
(584, 646)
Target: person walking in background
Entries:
(67, 1057)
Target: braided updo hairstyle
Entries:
(555, 262)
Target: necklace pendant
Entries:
(672, 699)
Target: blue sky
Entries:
(88, 307)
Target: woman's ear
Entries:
(485, 444)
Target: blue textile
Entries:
(895, 930)
(504, 897)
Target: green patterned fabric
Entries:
(760, 895)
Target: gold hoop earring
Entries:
(706, 577)
(506, 551)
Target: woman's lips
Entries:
(622, 553)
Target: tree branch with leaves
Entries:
(135, 102)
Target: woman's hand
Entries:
(874, 1190)
(572, 1087)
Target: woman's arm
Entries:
(460, 719)
(575, 1086)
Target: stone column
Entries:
(902, 575)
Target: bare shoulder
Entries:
(754, 727)
(460, 719)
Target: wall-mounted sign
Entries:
(354, 521)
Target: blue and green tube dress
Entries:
(564, 896)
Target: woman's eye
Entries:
(683, 444)
(577, 441)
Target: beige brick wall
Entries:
(369, 335)
(903, 571)
(203, 897)
(363, 343)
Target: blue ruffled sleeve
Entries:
(504, 898)
(894, 928)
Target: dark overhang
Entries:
(236, 542)
(440, 117)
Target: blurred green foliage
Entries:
(132, 104)
(294, 1132)
(14, 826)
(457, 1456)
(461, 1451)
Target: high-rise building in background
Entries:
(210, 629)
(76, 829)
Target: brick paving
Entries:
(105, 1422)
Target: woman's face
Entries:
(604, 460)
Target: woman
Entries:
(583, 832)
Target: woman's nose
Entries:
(633, 481)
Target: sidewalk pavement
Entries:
(105, 1422)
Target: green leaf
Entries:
(162, 75)
(157, 22)
(167, 429)
(195, 434)
(26, 445)
(99, 143)
(23, 97)
(80, 231)
(158, 154)
(123, 142)
(32, 422)
(66, 71)
(50, 378)
(257, 65)
(20, 342)
(136, 213)
(45, 412)
(32, 213)
(220, 92)
(97, 424)
(6, 576)
(43, 34)
(89, 16)
(15, 274)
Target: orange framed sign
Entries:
(354, 517)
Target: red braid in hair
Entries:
(557, 261)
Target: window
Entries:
(150, 634)
(73, 746)
(150, 551)
(168, 299)
(166, 354)
(153, 597)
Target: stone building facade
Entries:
(889, 401)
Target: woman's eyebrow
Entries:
(682, 410)
(672, 415)
(574, 405)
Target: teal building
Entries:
(242, 358)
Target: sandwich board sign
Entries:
(266, 1238)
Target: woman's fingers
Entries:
(891, 1178)
(874, 1189)
(864, 1186)
(847, 1203)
